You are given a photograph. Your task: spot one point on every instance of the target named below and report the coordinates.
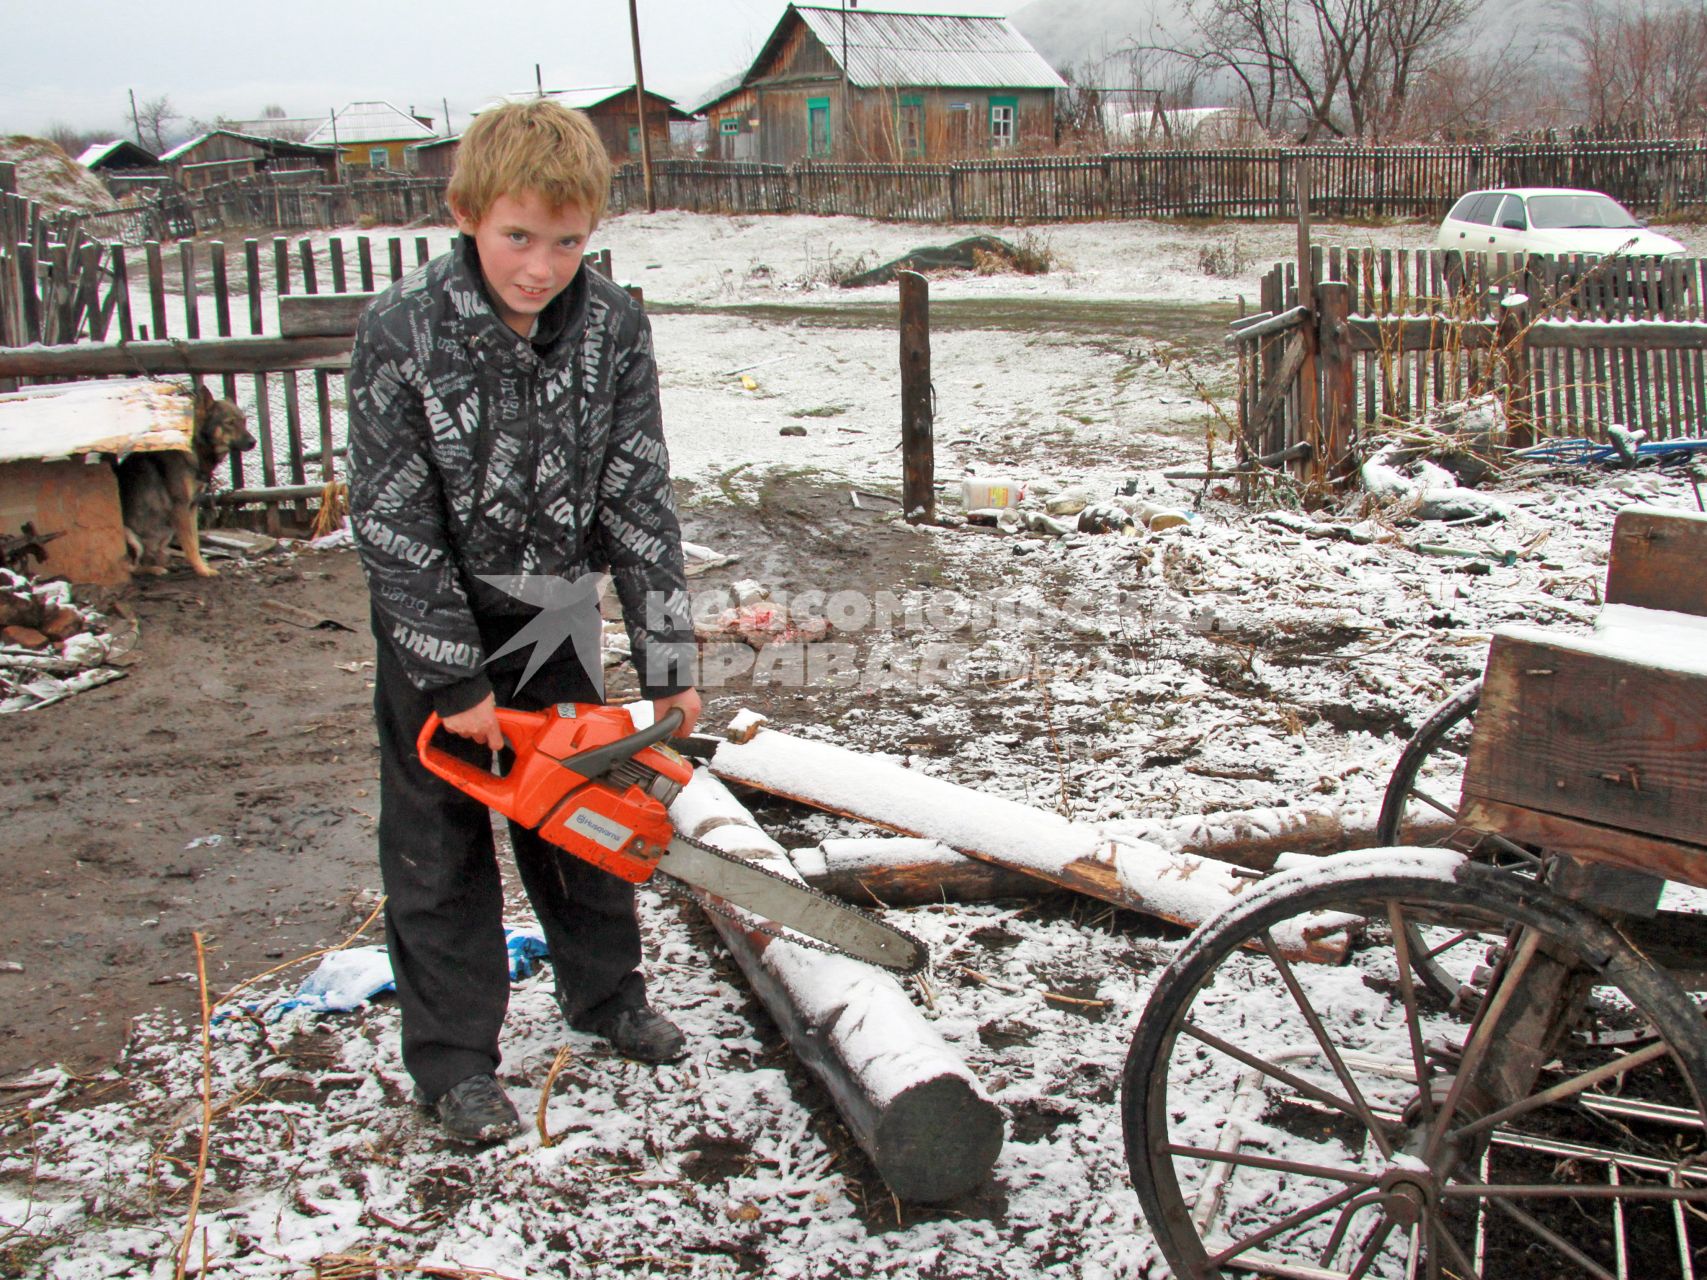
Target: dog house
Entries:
(57, 443)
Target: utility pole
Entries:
(538, 81)
(135, 120)
(337, 153)
(446, 102)
(640, 108)
(843, 125)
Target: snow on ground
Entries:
(1228, 663)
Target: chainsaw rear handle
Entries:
(522, 729)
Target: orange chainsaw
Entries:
(590, 783)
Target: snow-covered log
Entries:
(907, 1098)
(904, 871)
(908, 871)
(1254, 838)
(1133, 873)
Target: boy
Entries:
(504, 421)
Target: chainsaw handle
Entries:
(597, 762)
(492, 790)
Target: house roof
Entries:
(372, 122)
(920, 49)
(121, 150)
(292, 128)
(272, 146)
(718, 92)
(590, 96)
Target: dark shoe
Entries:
(642, 1034)
(476, 1110)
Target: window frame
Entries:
(829, 149)
(379, 157)
(1000, 102)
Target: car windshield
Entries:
(1581, 209)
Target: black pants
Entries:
(444, 899)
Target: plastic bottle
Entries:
(980, 492)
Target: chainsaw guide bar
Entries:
(788, 909)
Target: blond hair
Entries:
(535, 146)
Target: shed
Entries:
(221, 155)
(436, 159)
(121, 153)
(374, 136)
(55, 445)
(611, 108)
(860, 84)
(125, 167)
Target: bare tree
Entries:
(1326, 68)
(71, 141)
(153, 118)
(1644, 65)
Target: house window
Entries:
(378, 157)
(910, 126)
(633, 139)
(729, 125)
(818, 139)
(1003, 112)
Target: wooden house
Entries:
(373, 137)
(221, 155)
(862, 85)
(611, 108)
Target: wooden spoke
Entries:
(1565, 1089)
(1285, 1077)
(1286, 1224)
(1272, 1163)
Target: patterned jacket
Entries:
(474, 451)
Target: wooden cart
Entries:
(1506, 1078)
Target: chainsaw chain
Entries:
(746, 919)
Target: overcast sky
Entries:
(72, 61)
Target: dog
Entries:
(158, 489)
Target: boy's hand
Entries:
(479, 722)
(687, 702)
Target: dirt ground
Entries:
(227, 786)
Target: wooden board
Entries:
(1686, 863)
(321, 315)
(1659, 560)
(1593, 730)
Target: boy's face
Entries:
(528, 253)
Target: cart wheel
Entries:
(1419, 807)
(1338, 1120)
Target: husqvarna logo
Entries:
(600, 829)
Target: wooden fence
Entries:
(1570, 347)
(1250, 182)
(201, 310)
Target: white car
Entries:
(1551, 220)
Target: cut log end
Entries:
(938, 1140)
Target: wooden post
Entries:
(8, 178)
(640, 107)
(918, 465)
(1333, 339)
(1309, 415)
(1514, 363)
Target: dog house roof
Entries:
(68, 419)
